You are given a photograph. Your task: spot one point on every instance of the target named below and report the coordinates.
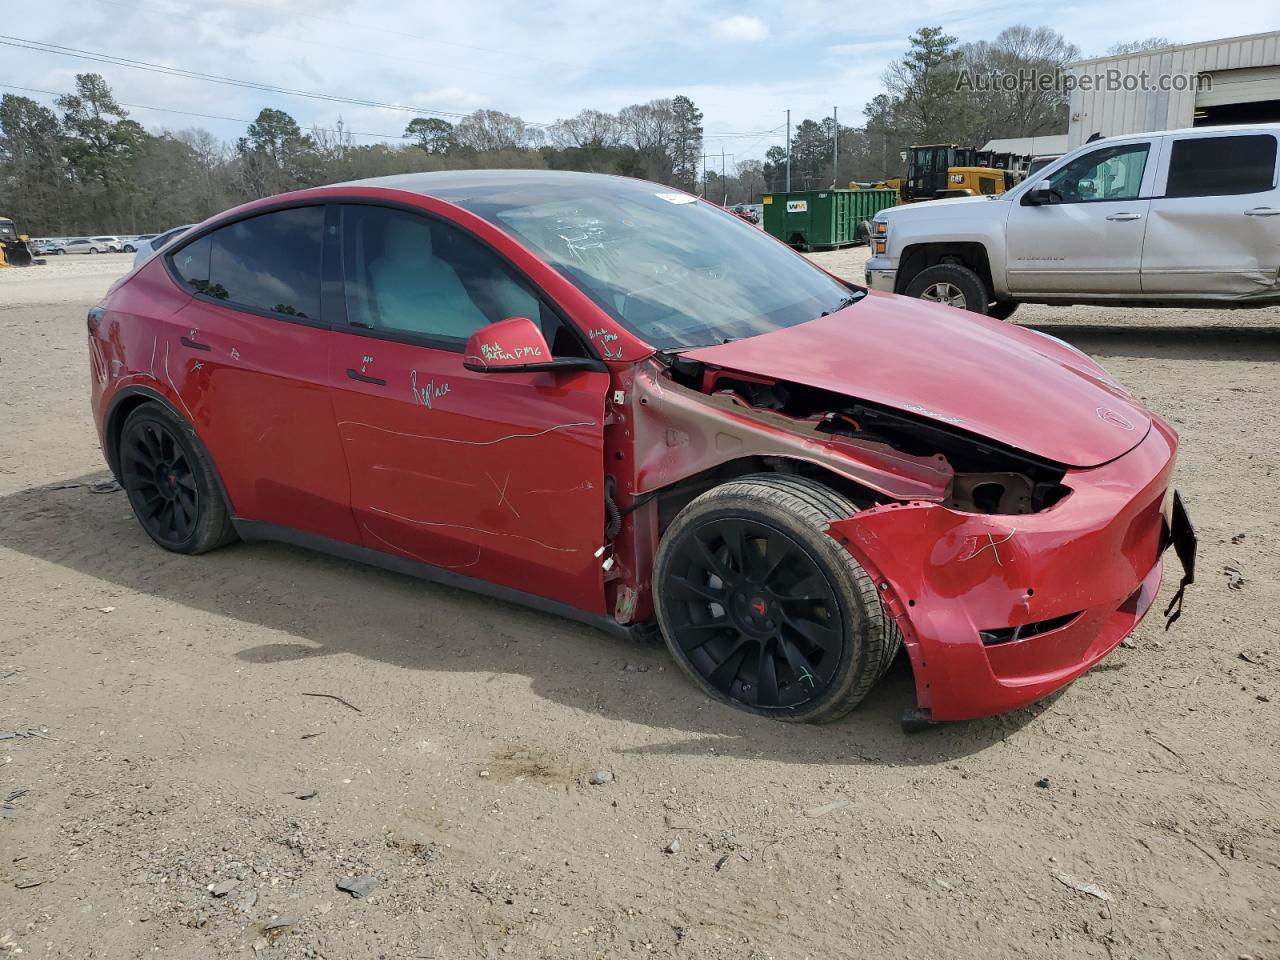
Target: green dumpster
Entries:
(824, 219)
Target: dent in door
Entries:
(506, 489)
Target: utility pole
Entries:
(723, 181)
(835, 146)
(788, 151)
(704, 176)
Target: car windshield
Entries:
(675, 271)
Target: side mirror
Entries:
(1040, 194)
(516, 345)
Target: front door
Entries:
(498, 477)
(1215, 227)
(1088, 240)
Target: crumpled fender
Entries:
(679, 432)
(944, 576)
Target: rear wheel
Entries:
(950, 284)
(170, 482)
(764, 610)
(93, 249)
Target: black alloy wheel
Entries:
(161, 483)
(170, 482)
(762, 608)
(757, 617)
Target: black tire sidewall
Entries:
(827, 560)
(976, 295)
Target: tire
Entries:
(951, 284)
(170, 482)
(129, 248)
(1002, 309)
(746, 638)
(93, 249)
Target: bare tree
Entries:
(1027, 107)
(1138, 46)
(590, 128)
(489, 130)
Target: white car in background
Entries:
(148, 246)
(88, 245)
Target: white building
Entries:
(1236, 80)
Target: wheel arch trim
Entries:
(125, 402)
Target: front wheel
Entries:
(171, 483)
(763, 609)
(952, 285)
(93, 249)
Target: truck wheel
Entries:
(950, 284)
(762, 609)
(170, 482)
(1002, 309)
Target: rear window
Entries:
(270, 262)
(1221, 166)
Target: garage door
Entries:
(1248, 85)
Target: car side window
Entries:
(1109, 173)
(1221, 166)
(270, 262)
(410, 275)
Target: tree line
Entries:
(87, 167)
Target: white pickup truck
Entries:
(1176, 218)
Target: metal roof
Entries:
(1178, 47)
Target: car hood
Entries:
(923, 209)
(1000, 381)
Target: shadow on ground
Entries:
(335, 607)
(1172, 342)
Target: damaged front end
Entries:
(1008, 574)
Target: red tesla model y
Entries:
(612, 400)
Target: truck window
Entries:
(1109, 173)
(1221, 166)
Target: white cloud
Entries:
(538, 61)
(740, 29)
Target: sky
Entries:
(743, 63)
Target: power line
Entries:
(40, 46)
(209, 116)
(76, 53)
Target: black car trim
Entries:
(251, 530)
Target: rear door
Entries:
(1214, 226)
(248, 357)
(1088, 240)
(497, 477)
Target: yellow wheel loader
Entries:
(15, 248)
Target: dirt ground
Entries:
(181, 795)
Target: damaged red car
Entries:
(611, 400)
